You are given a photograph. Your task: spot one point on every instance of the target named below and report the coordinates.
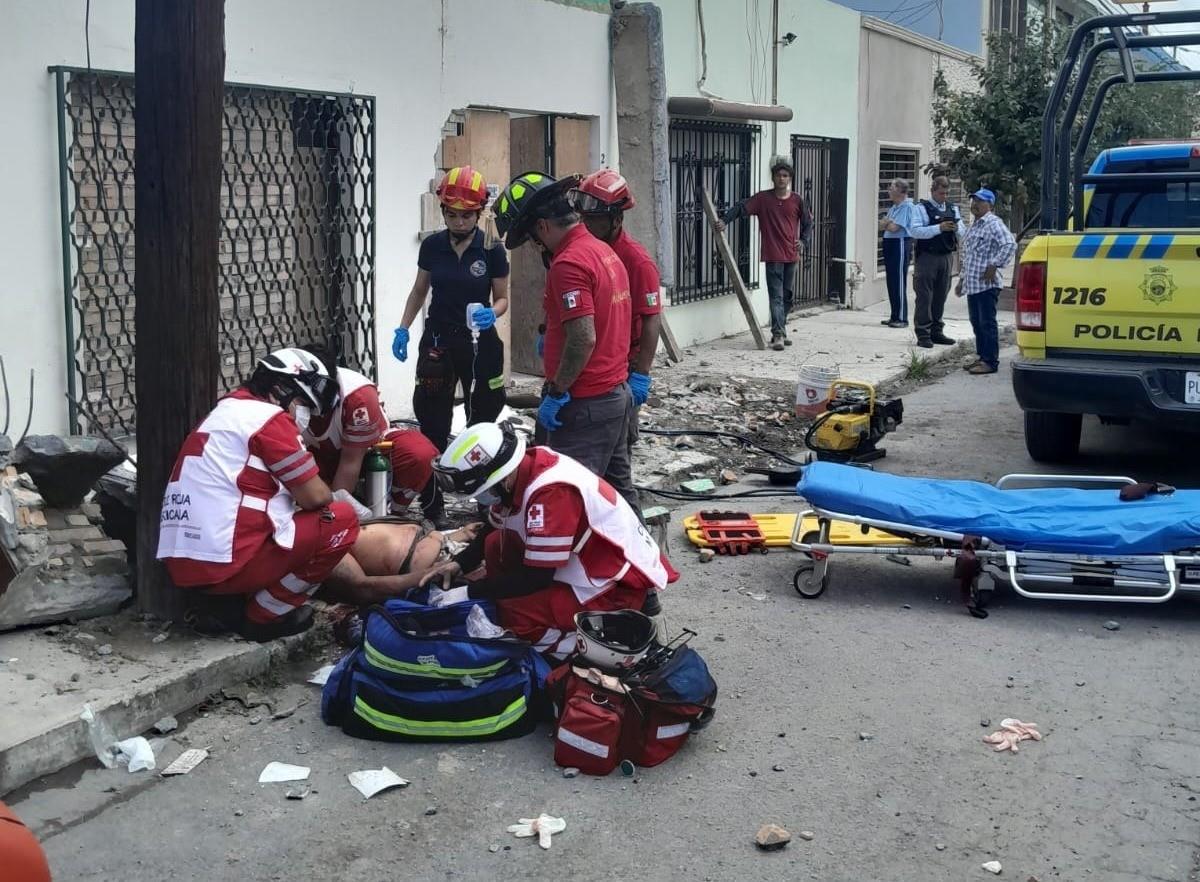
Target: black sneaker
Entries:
(897, 324)
(777, 342)
(787, 340)
(925, 344)
(213, 615)
(942, 340)
(887, 322)
(297, 621)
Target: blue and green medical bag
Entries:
(418, 675)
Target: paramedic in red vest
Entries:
(340, 440)
(245, 511)
(586, 401)
(785, 226)
(561, 540)
(602, 198)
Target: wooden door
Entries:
(527, 152)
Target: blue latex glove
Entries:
(548, 412)
(400, 344)
(540, 346)
(640, 384)
(483, 317)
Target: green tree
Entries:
(991, 135)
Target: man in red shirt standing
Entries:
(785, 226)
(586, 402)
(560, 541)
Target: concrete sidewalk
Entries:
(853, 340)
(113, 665)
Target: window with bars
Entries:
(722, 158)
(894, 162)
(297, 247)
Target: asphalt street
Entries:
(857, 717)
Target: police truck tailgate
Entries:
(1123, 293)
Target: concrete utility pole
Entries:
(774, 73)
(179, 60)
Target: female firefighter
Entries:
(459, 346)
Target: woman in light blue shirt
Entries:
(897, 251)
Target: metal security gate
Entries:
(820, 165)
(721, 157)
(297, 250)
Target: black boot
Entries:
(215, 614)
(297, 621)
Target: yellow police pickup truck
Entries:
(1108, 310)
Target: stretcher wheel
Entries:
(980, 596)
(808, 539)
(806, 583)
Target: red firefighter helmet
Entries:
(601, 192)
(463, 188)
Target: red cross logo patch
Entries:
(476, 455)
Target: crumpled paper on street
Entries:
(543, 827)
(134, 752)
(1011, 733)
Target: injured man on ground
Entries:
(247, 520)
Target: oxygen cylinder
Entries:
(378, 473)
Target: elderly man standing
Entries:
(897, 251)
(987, 247)
(937, 227)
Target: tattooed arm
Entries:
(580, 340)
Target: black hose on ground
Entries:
(744, 440)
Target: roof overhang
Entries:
(716, 107)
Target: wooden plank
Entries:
(572, 146)
(667, 336)
(739, 287)
(527, 152)
(487, 133)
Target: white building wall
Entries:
(420, 58)
(818, 80)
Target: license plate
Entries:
(1191, 387)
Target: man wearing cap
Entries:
(586, 401)
(988, 246)
(785, 225)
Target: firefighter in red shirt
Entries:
(561, 540)
(602, 198)
(340, 440)
(586, 401)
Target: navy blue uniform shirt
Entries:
(458, 281)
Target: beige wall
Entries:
(895, 99)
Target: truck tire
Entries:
(1052, 437)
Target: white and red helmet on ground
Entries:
(602, 192)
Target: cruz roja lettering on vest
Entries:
(179, 504)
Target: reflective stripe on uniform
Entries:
(379, 660)
(441, 728)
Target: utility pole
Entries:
(179, 62)
(774, 73)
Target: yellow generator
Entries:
(852, 424)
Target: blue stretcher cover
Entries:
(1065, 520)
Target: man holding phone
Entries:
(937, 229)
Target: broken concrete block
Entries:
(36, 519)
(104, 546)
(36, 596)
(8, 519)
(65, 469)
(772, 837)
(78, 520)
(76, 534)
(6, 449)
(706, 555)
(728, 476)
(30, 499)
(91, 511)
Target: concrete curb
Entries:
(65, 741)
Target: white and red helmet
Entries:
(602, 192)
(304, 374)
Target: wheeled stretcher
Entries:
(1052, 537)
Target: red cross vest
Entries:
(611, 519)
(201, 506)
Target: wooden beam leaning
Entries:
(739, 287)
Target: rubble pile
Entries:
(58, 562)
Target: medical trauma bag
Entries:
(418, 675)
(644, 716)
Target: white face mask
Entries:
(302, 415)
(487, 497)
